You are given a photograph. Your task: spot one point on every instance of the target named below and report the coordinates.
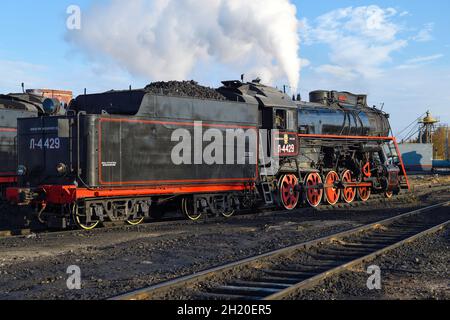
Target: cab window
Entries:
(281, 119)
(290, 121)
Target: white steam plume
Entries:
(169, 39)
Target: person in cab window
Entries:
(280, 120)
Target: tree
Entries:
(441, 143)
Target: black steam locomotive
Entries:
(12, 107)
(120, 155)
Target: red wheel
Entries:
(389, 194)
(364, 193)
(289, 197)
(313, 193)
(349, 194)
(332, 194)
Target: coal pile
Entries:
(184, 89)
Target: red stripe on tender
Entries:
(8, 130)
(8, 179)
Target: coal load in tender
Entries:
(184, 89)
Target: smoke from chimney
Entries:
(171, 39)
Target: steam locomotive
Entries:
(12, 107)
(121, 155)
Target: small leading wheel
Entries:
(364, 193)
(348, 194)
(289, 197)
(389, 194)
(188, 208)
(332, 194)
(80, 218)
(314, 192)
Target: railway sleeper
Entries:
(290, 274)
(279, 280)
(241, 290)
(221, 297)
(260, 283)
(332, 257)
(309, 268)
(342, 253)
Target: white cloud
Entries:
(425, 34)
(361, 43)
(418, 62)
(425, 59)
(305, 63)
(361, 39)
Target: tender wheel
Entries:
(289, 197)
(229, 211)
(364, 193)
(136, 215)
(224, 206)
(332, 194)
(136, 221)
(228, 214)
(80, 219)
(348, 194)
(188, 209)
(389, 194)
(314, 194)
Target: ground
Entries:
(419, 270)
(114, 261)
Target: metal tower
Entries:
(427, 128)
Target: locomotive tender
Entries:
(112, 159)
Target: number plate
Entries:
(45, 144)
(285, 144)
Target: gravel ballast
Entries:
(122, 259)
(419, 270)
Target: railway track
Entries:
(21, 232)
(278, 274)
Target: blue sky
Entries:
(409, 71)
